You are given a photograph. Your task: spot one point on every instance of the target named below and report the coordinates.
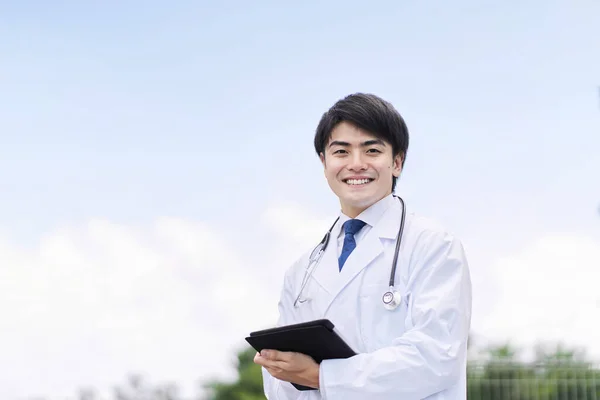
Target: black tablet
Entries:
(316, 339)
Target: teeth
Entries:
(357, 181)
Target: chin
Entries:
(360, 200)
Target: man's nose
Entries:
(357, 162)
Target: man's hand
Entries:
(290, 367)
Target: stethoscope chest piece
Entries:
(391, 299)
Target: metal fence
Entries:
(548, 381)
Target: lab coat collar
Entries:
(372, 216)
(389, 220)
(384, 215)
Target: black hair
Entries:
(369, 113)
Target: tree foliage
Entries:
(248, 386)
(557, 374)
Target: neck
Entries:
(354, 211)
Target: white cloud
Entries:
(296, 223)
(295, 229)
(549, 292)
(92, 304)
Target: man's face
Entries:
(359, 168)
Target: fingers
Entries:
(288, 366)
(275, 355)
(268, 363)
(277, 362)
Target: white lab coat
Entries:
(418, 350)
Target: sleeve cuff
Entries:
(323, 367)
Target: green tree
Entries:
(248, 386)
(556, 373)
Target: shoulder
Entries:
(426, 235)
(427, 226)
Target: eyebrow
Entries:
(367, 143)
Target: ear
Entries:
(322, 158)
(397, 166)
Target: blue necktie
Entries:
(351, 227)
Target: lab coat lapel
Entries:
(326, 273)
(366, 251)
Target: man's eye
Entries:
(340, 151)
(374, 151)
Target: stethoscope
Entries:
(391, 299)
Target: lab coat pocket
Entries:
(380, 326)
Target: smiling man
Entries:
(410, 339)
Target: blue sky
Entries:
(132, 111)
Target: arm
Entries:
(431, 354)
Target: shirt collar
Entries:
(370, 216)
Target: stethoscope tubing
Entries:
(322, 246)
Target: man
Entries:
(417, 350)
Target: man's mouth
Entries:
(357, 182)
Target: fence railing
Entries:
(546, 381)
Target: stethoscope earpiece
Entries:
(391, 299)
